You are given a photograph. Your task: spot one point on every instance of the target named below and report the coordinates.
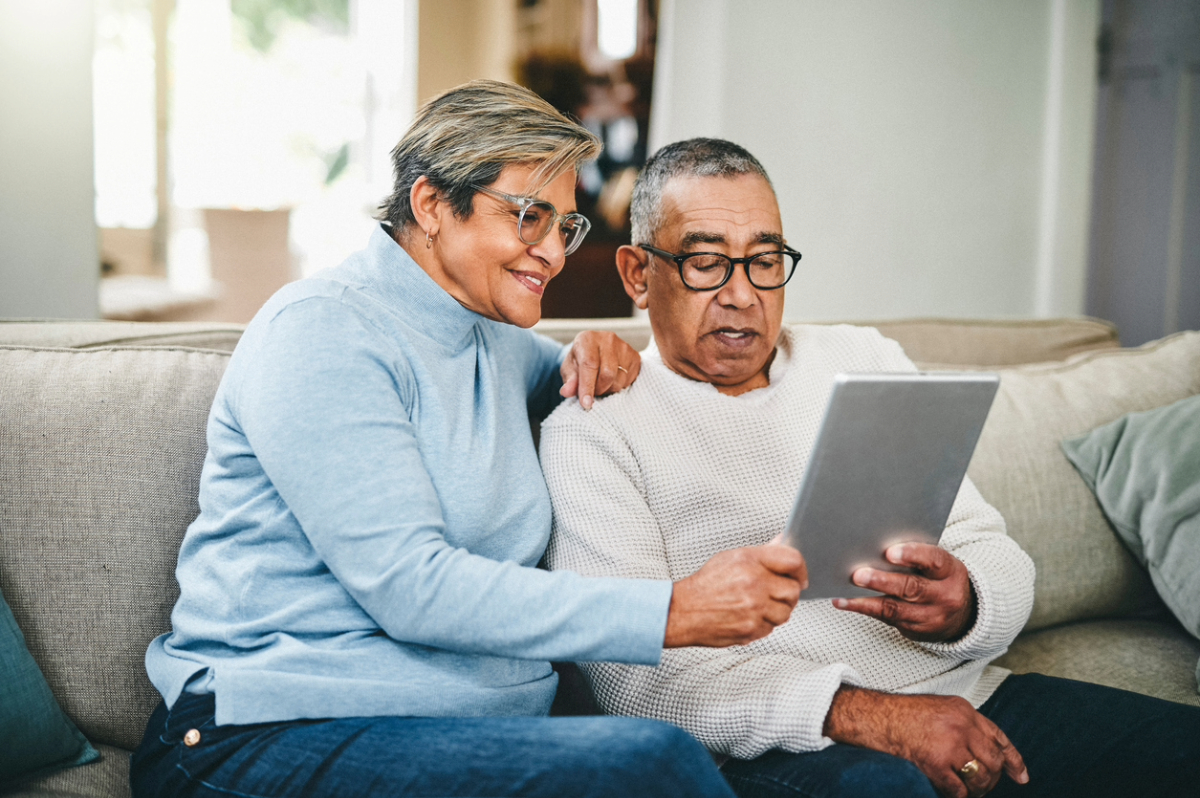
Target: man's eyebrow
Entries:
(700, 237)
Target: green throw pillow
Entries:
(35, 736)
(1145, 471)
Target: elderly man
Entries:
(876, 696)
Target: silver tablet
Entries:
(886, 467)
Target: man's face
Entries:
(726, 337)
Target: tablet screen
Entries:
(888, 461)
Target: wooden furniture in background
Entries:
(588, 286)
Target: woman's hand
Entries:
(598, 364)
(736, 597)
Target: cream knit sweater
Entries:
(656, 480)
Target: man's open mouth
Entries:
(734, 337)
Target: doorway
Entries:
(1144, 261)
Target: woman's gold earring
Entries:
(428, 241)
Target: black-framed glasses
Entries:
(708, 271)
(537, 218)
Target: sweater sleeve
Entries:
(323, 405)
(734, 700)
(543, 371)
(1001, 574)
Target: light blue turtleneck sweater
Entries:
(371, 512)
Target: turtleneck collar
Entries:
(407, 288)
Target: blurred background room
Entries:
(183, 159)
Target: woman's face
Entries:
(486, 266)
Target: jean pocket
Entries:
(190, 712)
(205, 749)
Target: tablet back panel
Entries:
(886, 467)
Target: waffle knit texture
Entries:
(371, 509)
(656, 480)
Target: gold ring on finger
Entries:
(622, 368)
(968, 770)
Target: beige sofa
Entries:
(102, 440)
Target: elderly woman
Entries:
(359, 610)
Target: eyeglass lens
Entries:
(769, 270)
(536, 219)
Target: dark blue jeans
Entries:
(1077, 739)
(358, 757)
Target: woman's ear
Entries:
(632, 264)
(427, 206)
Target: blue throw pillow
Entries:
(1145, 471)
(36, 737)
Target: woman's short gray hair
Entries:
(698, 157)
(468, 135)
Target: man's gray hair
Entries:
(698, 157)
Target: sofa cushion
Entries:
(35, 735)
(946, 342)
(100, 457)
(1145, 471)
(996, 342)
(106, 778)
(949, 342)
(1083, 571)
(635, 331)
(96, 334)
(1152, 657)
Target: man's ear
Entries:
(632, 264)
(427, 206)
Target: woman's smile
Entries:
(532, 280)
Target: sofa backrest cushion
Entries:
(102, 334)
(944, 342)
(1083, 570)
(948, 342)
(100, 457)
(997, 342)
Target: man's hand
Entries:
(599, 363)
(736, 597)
(933, 604)
(938, 734)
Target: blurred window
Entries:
(283, 107)
(123, 91)
(617, 28)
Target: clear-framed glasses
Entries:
(537, 218)
(708, 271)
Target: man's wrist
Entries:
(970, 616)
(852, 715)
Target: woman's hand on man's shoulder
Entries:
(598, 363)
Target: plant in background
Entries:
(262, 19)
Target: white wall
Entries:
(930, 157)
(49, 262)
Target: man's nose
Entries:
(738, 292)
